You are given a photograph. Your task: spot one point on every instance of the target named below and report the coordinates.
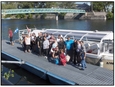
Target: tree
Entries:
(101, 6)
(110, 15)
(69, 5)
(57, 4)
(51, 4)
(9, 5)
(26, 4)
(48, 4)
(29, 16)
(19, 16)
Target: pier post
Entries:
(56, 16)
(105, 17)
(3, 15)
(86, 14)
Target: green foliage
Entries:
(29, 16)
(9, 74)
(26, 4)
(9, 6)
(110, 15)
(8, 15)
(68, 5)
(101, 6)
(20, 16)
(98, 6)
(48, 4)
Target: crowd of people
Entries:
(56, 49)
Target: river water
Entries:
(24, 77)
(101, 25)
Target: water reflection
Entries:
(23, 77)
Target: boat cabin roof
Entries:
(96, 36)
(83, 35)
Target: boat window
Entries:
(64, 32)
(73, 34)
(71, 37)
(61, 33)
(77, 37)
(91, 39)
(96, 34)
(78, 33)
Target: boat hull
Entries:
(108, 64)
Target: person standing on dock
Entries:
(27, 43)
(28, 30)
(46, 47)
(68, 44)
(78, 53)
(39, 41)
(10, 35)
(33, 42)
(83, 56)
(74, 46)
(59, 37)
(61, 44)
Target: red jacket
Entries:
(62, 58)
(10, 33)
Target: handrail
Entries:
(13, 62)
(41, 10)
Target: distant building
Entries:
(84, 6)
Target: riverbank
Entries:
(87, 15)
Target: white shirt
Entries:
(58, 40)
(54, 45)
(79, 47)
(27, 40)
(46, 44)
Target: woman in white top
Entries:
(46, 47)
(27, 43)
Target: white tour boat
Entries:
(98, 44)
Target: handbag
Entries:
(67, 58)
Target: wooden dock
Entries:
(92, 75)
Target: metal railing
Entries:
(41, 10)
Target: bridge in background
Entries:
(41, 10)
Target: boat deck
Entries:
(92, 75)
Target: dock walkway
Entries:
(92, 75)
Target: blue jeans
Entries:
(83, 63)
(55, 60)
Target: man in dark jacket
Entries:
(74, 51)
(39, 41)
